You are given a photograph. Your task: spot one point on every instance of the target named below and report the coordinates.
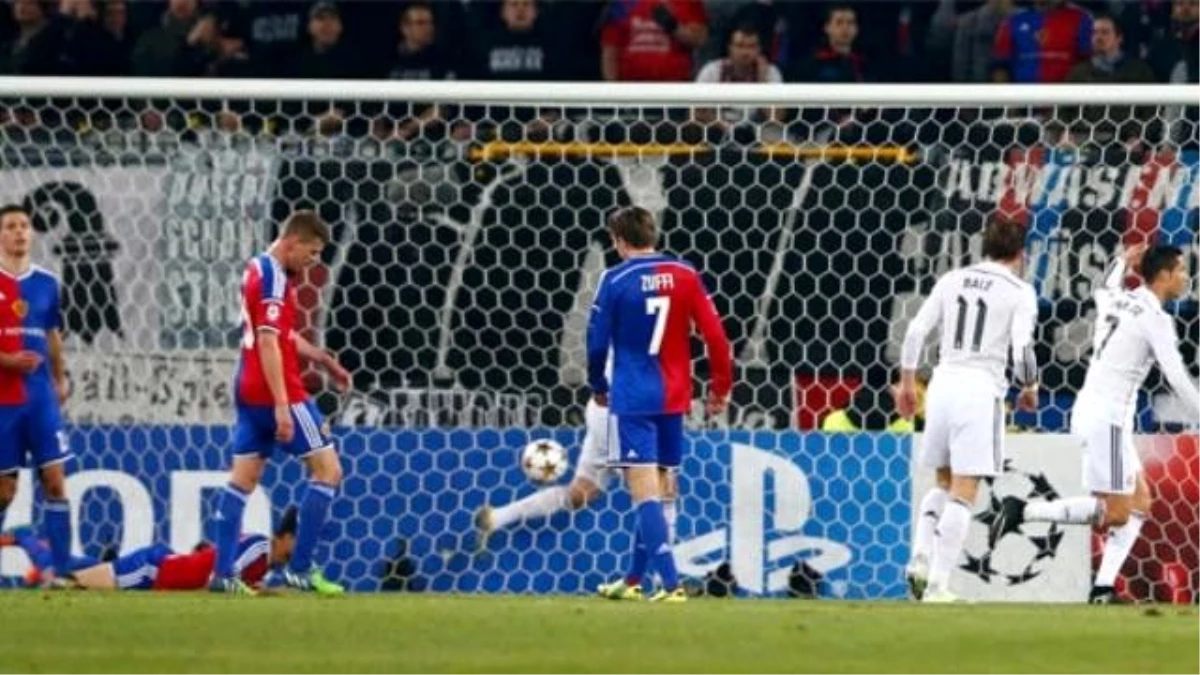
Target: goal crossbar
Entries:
(603, 93)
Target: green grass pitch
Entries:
(142, 632)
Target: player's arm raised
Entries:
(927, 318)
(720, 353)
(1025, 367)
(1165, 345)
(314, 354)
(599, 338)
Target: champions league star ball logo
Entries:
(1019, 554)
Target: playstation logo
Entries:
(763, 544)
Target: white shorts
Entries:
(964, 426)
(593, 454)
(1110, 461)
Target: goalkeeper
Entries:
(157, 567)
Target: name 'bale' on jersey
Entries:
(268, 303)
(985, 312)
(644, 311)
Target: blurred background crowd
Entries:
(656, 40)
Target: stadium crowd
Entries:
(649, 40)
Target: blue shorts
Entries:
(33, 432)
(255, 431)
(645, 439)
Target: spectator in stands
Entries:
(82, 45)
(836, 60)
(32, 51)
(418, 57)
(214, 48)
(1110, 63)
(651, 40)
(1041, 44)
(159, 50)
(326, 56)
(970, 35)
(519, 47)
(273, 30)
(744, 62)
(114, 16)
(1175, 60)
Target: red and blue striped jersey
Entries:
(1043, 46)
(268, 303)
(29, 310)
(644, 311)
(253, 558)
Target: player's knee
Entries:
(580, 493)
(54, 485)
(328, 470)
(1116, 511)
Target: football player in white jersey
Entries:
(986, 312)
(592, 477)
(1132, 332)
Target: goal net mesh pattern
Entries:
(468, 240)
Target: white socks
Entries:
(1076, 510)
(1117, 547)
(927, 520)
(672, 515)
(948, 542)
(537, 505)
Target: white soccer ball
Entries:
(544, 460)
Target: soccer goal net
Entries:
(468, 225)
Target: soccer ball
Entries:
(544, 461)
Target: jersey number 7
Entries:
(659, 307)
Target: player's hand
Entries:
(283, 424)
(1027, 400)
(716, 404)
(63, 391)
(341, 376)
(24, 361)
(1133, 256)
(601, 399)
(906, 400)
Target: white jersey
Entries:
(1132, 332)
(986, 312)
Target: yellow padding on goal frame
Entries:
(868, 153)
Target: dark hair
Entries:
(12, 208)
(1003, 239)
(306, 225)
(836, 7)
(287, 524)
(745, 29)
(417, 4)
(634, 225)
(1158, 260)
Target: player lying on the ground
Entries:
(986, 311)
(158, 568)
(1132, 332)
(643, 313)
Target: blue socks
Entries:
(139, 568)
(56, 516)
(637, 569)
(229, 528)
(652, 525)
(313, 512)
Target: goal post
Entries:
(468, 238)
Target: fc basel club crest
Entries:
(1019, 554)
(20, 308)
